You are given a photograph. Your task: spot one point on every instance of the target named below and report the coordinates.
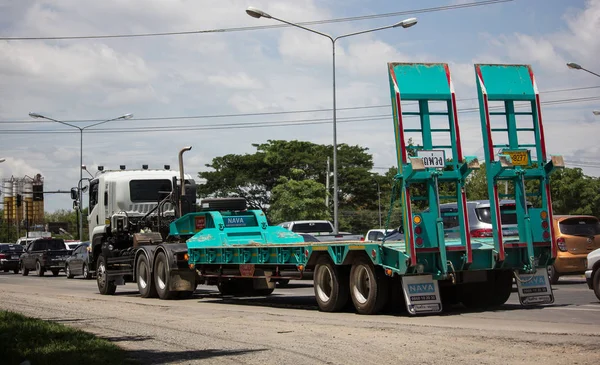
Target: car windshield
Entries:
(11, 248)
(507, 214)
(580, 226)
(50, 245)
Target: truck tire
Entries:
(330, 285)
(475, 295)
(369, 287)
(231, 287)
(161, 277)
(144, 278)
(39, 270)
(68, 272)
(105, 287)
(223, 204)
(596, 283)
(87, 275)
(24, 271)
(502, 287)
(553, 275)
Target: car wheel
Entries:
(39, 271)
(55, 272)
(24, 271)
(596, 283)
(553, 275)
(16, 271)
(86, 272)
(68, 272)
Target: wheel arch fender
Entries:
(170, 250)
(149, 253)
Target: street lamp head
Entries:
(126, 116)
(256, 13)
(574, 66)
(36, 115)
(2, 160)
(406, 23)
(596, 112)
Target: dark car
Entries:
(9, 257)
(44, 254)
(78, 263)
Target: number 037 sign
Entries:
(433, 158)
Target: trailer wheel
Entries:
(105, 287)
(24, 271)
(330, 285)
(229, 287)
(145, 282)
(161, 277)
(368, 287)
(502, 287)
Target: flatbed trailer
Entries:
(239, 252)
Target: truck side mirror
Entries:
(74, 194)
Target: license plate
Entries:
(518, 158)
(15, 257)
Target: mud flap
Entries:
(422, 294)
(535, 289)
(182, 280)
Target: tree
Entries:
(298, 200)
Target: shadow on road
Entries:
(155, 357)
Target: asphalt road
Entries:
(287, 327)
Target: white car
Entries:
(592, 274)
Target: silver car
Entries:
(480, 218)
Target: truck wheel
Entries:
(283, 283)
(475, 295)
(553, 275)
(502, 287)
(39, 271)
(230, 287)
(24, 271)
(68, 272)
(144, 280)
(330, 285)
(596, 283)
(161, 277)
(368, 287)
(86, 272)
(55, 272)
(105, 287)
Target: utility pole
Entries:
(327, 185)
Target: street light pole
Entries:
(81, 129)
(256, 13)
(576, 66)
(379, 200)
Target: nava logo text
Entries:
(535, 281)
(421, 288)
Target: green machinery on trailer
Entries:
(239, 252)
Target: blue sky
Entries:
(265, 71)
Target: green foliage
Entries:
(575, 193)
(298, 200)
(43, 342)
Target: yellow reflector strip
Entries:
(319, 248)
(356, 247)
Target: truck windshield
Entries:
(148, 190)
(312, 227)
(580, 226)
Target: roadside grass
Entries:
(43, 342)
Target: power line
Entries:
(298, 122)
(241, 29)
(214, 116)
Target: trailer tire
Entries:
(230, 287)
(24, 271)
(330, 285)
(369, 287)
(105, 287)
(502, 288)
(145, 279)
(161, 277)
